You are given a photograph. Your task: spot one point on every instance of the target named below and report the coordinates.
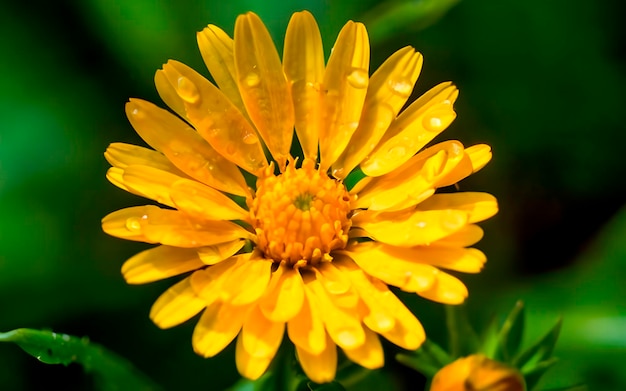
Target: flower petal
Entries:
(415, 180)
(408, 228)
(306, 329)
(263, 86)
(247, 281)
(150, 183)
(321, 367)
(249, 366)
(389, 88)
(466, 236)
(416, 126)
(303, 64)
(446, 289)
(369, 355)
(204, 202)
(216, 119)
(343, 326)
(218, 326)
(260, 336)
(393, 266)
(216, 48)
(123, 155)
(479, 206)
(466, 260)
(345, 87)
(169, 95)
(158, 263)
(176, 305)
(211, 255)
(184, 147)
(480, 155)
(284, 296)
(207, 283)
(151, 224)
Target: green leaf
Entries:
(511, 333)
(110, 370)
(540, 351)
(334, 386)
(462, 337)
(578, 387)
(427, 360)
(533, 375)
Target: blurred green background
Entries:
(541, 81)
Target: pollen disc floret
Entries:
(301, 215)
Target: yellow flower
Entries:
(477, 373)
(305, 253)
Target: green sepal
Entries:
(109, 369)
(540, 351)
(533, 375)
(427, 360)
(462, 339)
(510, 334)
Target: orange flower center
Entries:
(301, 215)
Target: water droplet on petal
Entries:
(397, 152)
(432, 123)
(358, 78)
(249, 138)
(453, 221)
(231, 148)
(252, 79)
(133, 224)
(187, 90)
(401, 86)
(137, 113)
(347, 337)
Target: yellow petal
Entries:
(218, 326)
(338, 286)
(284, 295)
(176, 305)
(379, 318)
(216, 48)
(263, 86)
(123, 155)
(466, 260)
(207, 283)
(480, 155)
(260, 336)
(414, 181)
(303, 64)
(211, 255)
(151, 224)
(246, 282)
(116, 176)
(466, 236)
(393, 266)
(409, 228)
(345, 86)
(159, 263)
(169, 95)
(479, 206)
(150, 182)
(343, 326)
(306, 329)
(216, 119)
(321, 367)
(184, 147)
(204, 202)
(446, 289)
(369, 355)
(249, 366)
(389, 88)
(413, 129)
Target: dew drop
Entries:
(397, 152)
(137, 113)
(432, 123)
(249, 137)
(252, 79)
(187, 90)
(347, 337)
(358, 78)
(453, 221)
(133, 224)
(231, 148)
(401, 86)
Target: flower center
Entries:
(301, 215)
